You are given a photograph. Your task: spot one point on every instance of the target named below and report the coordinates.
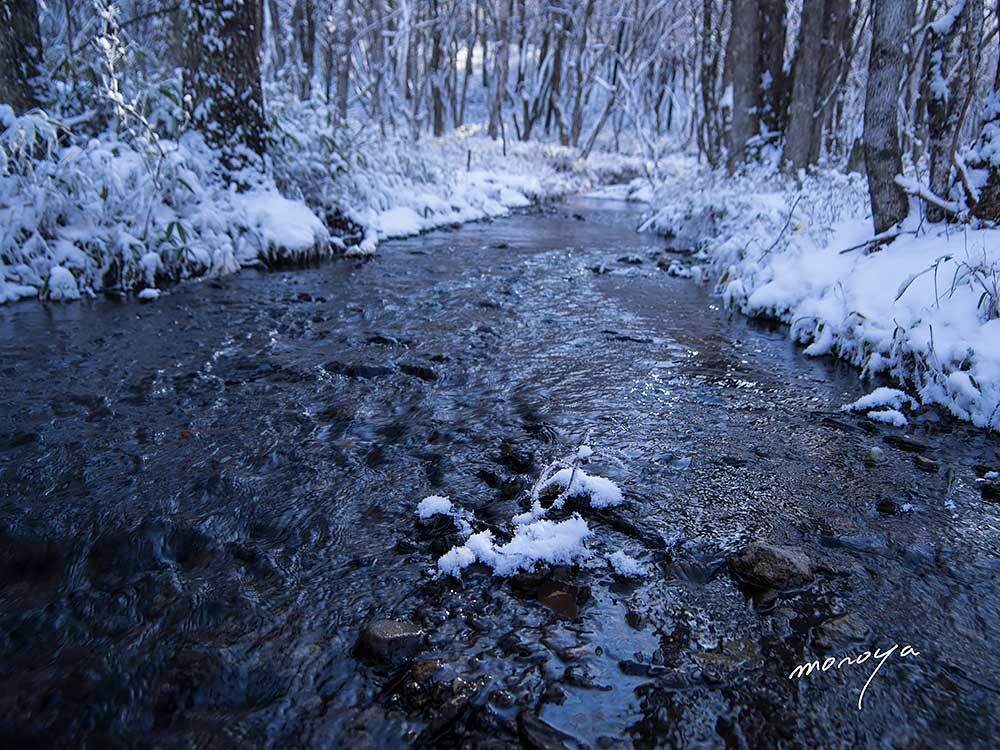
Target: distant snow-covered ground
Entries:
(922, 310)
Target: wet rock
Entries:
(630, 260)
(579, 217)
(511, 487)
(768, 566)
(579, 676)
(635, 668)
(356, 370)
(537, 734)
(874, 456)
(926, 464)
(419, 371)
(600, 269)
(887, 506)
(563, 597)
(519, 459)
(907, 443)
(18, 439)
(840, 631)
(553, 694)
(857, 542)
(383, 340)
(500, 245)
(389, 641)
(635, 619)
(990, 490)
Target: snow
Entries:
(434, 505)
(626, 566)
(921, 310)
(888, 416)
(603, 493)
(881, 396)
(544, 541)
(149, 295)
(62, 285)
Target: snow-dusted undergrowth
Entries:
(922, 310)
(80, 215)
(536, 540)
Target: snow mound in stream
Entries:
(536, 539)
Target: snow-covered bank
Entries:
(82, 216)
(923, 310)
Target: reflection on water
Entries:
(204, 499)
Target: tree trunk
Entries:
(437, 57)
(802, 109)
(954, 58)
(988, 205)
(833, 59)
(346, 33)
(886, 65)
(502, 53)
(745, 36)
(771, 67)
(221, 45)
(20, 54)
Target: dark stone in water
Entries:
(518, 459)
(356, 370)
(419, 371)
(887, 506)
(537, 734)
(768, 566)
(839, 631)
(990, 490)
(389, 641)
(907, 443)
(630, 260)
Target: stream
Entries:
(203, 500)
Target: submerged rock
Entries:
(839, 631)
(389, 641)
(768, 566)
(537, 734)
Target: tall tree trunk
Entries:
(771, 67)
(502, 67)
(886, 65)
(437, 57)
(954, 61)
(20, 54)
(745, 36)
(221, 46)
(988, 204)
(346, 34)
(833, 59)
(802, 109)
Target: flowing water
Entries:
(203, 500)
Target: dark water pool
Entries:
(203, 500)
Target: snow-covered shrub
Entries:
(922, 310)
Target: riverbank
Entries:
(922, 310)
(114, 214)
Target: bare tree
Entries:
(883, 156)
(20, 53)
